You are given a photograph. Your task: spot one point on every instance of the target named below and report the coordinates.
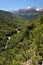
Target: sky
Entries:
(19, 4)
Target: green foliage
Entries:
(23, 45)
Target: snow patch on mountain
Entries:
(28, 8)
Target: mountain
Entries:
(30, 13)
(24, 11)
(6, 16)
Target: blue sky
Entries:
(16, 4)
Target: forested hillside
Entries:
(21, 41)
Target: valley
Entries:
(21, 39)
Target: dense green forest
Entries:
(21, 41)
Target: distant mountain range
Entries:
(28, 13)
(28, 8)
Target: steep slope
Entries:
(18, 48)
(8, 18)
(7, 14)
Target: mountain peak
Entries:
(39, 9)
(29, 7)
